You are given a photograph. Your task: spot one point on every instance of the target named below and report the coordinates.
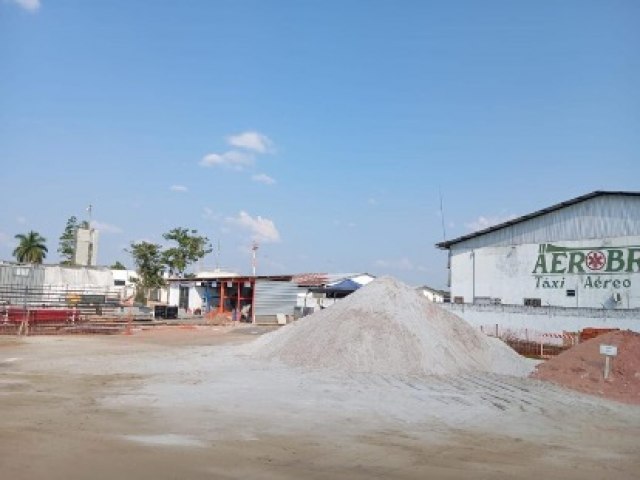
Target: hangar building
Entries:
(584, 252)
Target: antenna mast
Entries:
(444, 232)
(90, 211)
(254, 251)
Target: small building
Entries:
(124, 281)
(433, 294)
(321, 290)
(243, 297)
(584, 252)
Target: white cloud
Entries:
(372, 201)
(29, 5)
(232, 158)
(209, 214)
(263, 178)
(21, 220)
(396, 264)
(251, 141)
(262, 229)
(178, 188)
(483, 222)
(105, 227)
(145, 240)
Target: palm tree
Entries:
(31, 248)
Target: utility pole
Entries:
(218, 256)
(254, 250)
(91, 238)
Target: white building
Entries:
(584, 252)
(124, 281)
(433, 294)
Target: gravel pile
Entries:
(387, 327)
(582, 367)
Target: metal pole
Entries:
(607, 366)
(254, 249)
(473, 266)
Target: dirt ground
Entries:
(193, 403)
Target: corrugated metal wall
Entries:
(599, 217)
(21, 276)
(272, 297)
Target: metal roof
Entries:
(318, 279)
(598, 193)
(301, 279)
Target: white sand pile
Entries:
(387, 327)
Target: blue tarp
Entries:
(346, 285)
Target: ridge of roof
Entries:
(597, 193)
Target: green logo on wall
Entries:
(555, 260)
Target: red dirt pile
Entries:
(581, 368)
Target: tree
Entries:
(118, 266)
(67, 245)
(148, 259)
(190, 248)
(31, 248)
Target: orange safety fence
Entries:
(533, 343)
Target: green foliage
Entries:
(31, 248)
(190, 247)
(151, 260)
(118, 266)
(148, 259)
(66, 246)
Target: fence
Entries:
(28, 310)
(533, 343)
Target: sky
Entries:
(330, 132)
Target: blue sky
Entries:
(323, 129)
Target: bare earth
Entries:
(193, 403)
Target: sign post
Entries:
(608, 351)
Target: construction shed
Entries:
(240, 297)
(259, 299)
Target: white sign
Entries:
(608, 350)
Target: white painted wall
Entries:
(507, 273)
(195, 297)
(174, 293)
(78, 277)
(316, 301)
(127, 275)
(546, 319)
